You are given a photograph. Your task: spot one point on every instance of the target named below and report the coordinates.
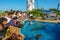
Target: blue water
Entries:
(46, 30)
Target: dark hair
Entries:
(2, 19)
(10, 13)
(14, 11)
(19, 25)
(18, 12)
(15, 18)
(5, 11)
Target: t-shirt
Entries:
(11, 23)
(14, 16)
(8, 19)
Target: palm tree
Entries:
(58, 8)
(57, 11)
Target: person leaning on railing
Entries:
(3, 27)
(14, 30)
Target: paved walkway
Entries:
(54, 21)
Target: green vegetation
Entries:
(55, 10)
(7, 11)
(36, 12)
(59, 12)
(2, 13)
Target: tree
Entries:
(55, 10)
(59, 12)
(36, 12)
(7, 11)
(1, 13)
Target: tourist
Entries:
(3, 27)
(9, 17)
(18, 14)
(13, 34)
(14, 14)
(12, 22)
(5, 14)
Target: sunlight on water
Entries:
(46, 31)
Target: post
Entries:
(36, 4)
(58, 10)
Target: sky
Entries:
(21, 4)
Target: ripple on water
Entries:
(48, 31)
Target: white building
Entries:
(30, 4)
